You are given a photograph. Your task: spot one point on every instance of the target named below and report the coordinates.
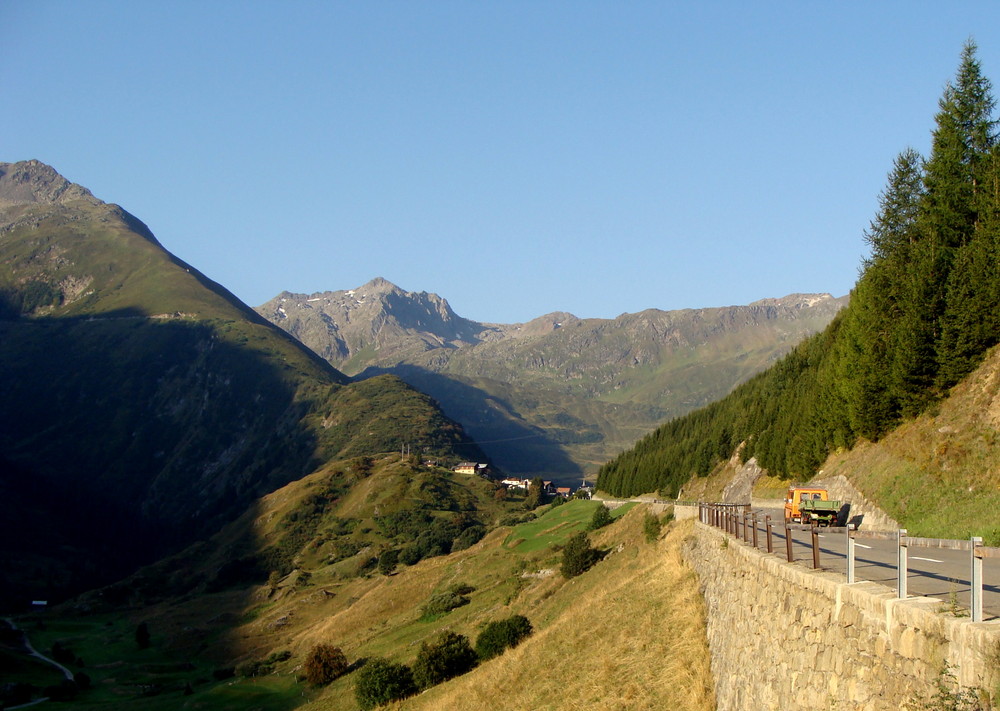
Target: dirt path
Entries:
(35, 653)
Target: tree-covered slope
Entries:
(924, 311)
(142, 404)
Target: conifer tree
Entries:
(894, 228)
(971, 320)
(963, 139)
(953, 199)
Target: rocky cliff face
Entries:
(377, 318)
(32, 181)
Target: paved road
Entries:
(933, 572)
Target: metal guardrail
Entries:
(737, 520)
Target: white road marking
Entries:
(862, 545)
(929, 560)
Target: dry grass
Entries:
(629, 634)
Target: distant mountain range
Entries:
(143, 406)
(558, 395)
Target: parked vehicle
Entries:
(810, 505)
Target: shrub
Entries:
(249, 670)
(277, 657)
(469, 537)
(324, 664)
(66, 690)
(381, 681)
(387, 561)
(578, 556)
(64, 655)
(651, 527)
(410, 555)
(498, 636)
(461, 589)
(443, 603)
(450, 656)
(601, 517)
(514, 519)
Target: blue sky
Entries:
(515, 157)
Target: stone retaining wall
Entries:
(787, 638)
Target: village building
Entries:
(472, 468)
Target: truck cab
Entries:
(796, 495)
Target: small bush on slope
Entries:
(500, 635)
(381, 681)
(450, 656)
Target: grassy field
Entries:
(125, 677)
(556, 525)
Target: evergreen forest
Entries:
(922, 315)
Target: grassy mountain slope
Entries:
(558, 395)
(640, 601)
(938, 474)
(144, 405)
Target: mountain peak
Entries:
(795, 301)
(380, 285)
(31, 181)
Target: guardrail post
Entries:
(745, 536)
(901, 564)
(850, 553)
(768, 527)
(753, 518)
(977, 580)
(788, 542)
(815, 546)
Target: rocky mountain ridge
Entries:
(559, 393)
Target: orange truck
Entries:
(806, 504)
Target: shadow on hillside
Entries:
(512, 444)
(123, 439)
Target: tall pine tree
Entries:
(954, 197)
(971, 320)
(869, 339)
